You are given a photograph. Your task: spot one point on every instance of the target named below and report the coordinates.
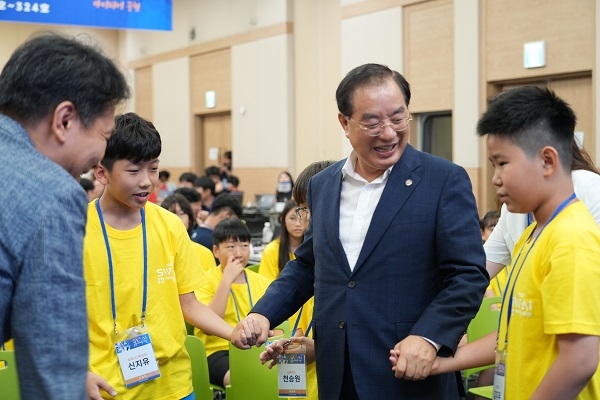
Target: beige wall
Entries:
(287, 57)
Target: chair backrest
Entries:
(9, 381)
(253, 267)
(485, 321)
(200, 377)
(249, 378)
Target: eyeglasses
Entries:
(302, 212)
(397, 125)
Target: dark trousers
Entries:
(348, 389)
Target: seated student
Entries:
(141, 272)
(178, 204)
(303, 332)
(214, 173)
(548, 338)
(230, 291)
(285, 184)
(281, 250)
(233, 183)
(187, 179)
(193, 197)
(488, 223)
(224, 206)
(206, 188)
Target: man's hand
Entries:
(94, 383)
(251, 331)
(413, 357)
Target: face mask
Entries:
(284, 187)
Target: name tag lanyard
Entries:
(235, 303)
(110, 266)
(298, 321)
(514, 283)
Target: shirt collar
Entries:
(349, 171)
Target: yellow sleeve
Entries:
(207, 259)
(269, 267)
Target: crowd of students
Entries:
(149, 269)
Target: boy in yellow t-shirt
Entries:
(548, 339)
(141, 271)
(229, 290)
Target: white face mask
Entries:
(284, 187)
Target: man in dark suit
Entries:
(393, 255)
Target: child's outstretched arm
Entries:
(202, 317)
(277, 348)
(576, 363)
(475, 354)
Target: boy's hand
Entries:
(252, 330)
(233, 269)
(94, 383)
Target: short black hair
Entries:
(135, 139)
(234, 180)
(50, 68)
(205, 182)
(164, 174)
(299, 190)
(367, 75)
(230, 229)
(86, 184)
(190, 194)
(212, 170)
(188, 177)
(532, 117)
(226, 202)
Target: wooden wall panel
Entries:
(567, 27)
(429, 55)
(143, 93)
(211, 71)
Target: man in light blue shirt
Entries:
(57, 105)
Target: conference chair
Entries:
(9, 381)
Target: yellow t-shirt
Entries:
(173, 269)
(258, 285)
(269, 261)
(207, 259)
(555, 293)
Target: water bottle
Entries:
(267, 233)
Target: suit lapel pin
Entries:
(408, 182)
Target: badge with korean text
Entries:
(291, 369)
(137, 359)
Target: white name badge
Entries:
(291, 369)
(500, 375)
(137, 360)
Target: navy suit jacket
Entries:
(421, 271)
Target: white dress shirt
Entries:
(358, 201)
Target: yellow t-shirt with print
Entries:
(555, 293)
(173, 269)
(269, 261)
(207, 259)
(235, 310)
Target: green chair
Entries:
(485, 321)
(253, 267)
(487, 392)
(9, 381)
(250, 379)
(200, 378)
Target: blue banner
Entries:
(116, 14)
